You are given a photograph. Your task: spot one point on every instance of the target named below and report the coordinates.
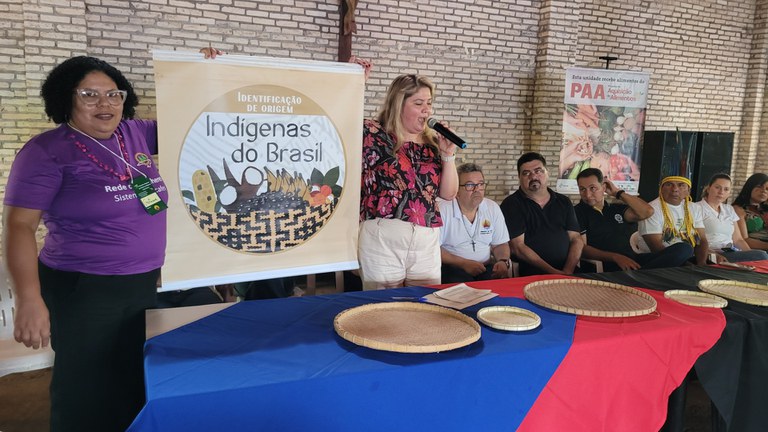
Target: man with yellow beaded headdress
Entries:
(675, 219)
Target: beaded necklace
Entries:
(121, 144)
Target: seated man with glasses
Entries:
(473, 239)
(542, 225)
(606, 227)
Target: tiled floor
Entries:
(24, 403)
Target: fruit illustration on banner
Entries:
(262, 182)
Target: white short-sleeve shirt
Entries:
(655, 223)
(487, 230)
(719, 226)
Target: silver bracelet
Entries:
(448, 158)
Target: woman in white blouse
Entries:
(721, 223)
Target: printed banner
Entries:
(603, 126)
(261, 157)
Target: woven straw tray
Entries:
(695, 298)
(508, 318)
(740, 291)
(406, 327)
(590, 298)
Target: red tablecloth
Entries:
(619, 372)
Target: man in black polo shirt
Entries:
(606, 228)
(543, 230)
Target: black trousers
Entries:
(453, 274)
(672, 256)
(266, 289)
(97, 333)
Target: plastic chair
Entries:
(14, 356)
(597, 264)
(638, 244)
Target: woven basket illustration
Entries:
(263, 231)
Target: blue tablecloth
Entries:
(278, 365)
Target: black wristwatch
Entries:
(618, 194)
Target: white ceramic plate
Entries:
(508, 318)
(695, 298)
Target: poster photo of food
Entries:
(603, 124)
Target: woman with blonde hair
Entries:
(406, 166)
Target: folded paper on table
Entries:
(459, 296)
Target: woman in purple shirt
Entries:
(93, 183)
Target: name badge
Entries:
(148, 196)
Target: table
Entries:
(734, 372)
(278, 365)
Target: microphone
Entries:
(444, 131)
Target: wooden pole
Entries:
(345, 37)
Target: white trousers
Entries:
(394, 253)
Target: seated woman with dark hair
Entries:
(751, 205)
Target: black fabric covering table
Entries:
(734, 373)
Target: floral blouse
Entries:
(399, 186)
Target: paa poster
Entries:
(603, 124)
(261, 157)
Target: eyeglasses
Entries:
(92, 97)
(472, 186)
(537, 171)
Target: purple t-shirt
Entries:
(95, 222)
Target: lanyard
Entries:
(123, 157)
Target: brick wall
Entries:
(498, 65)
(751, 147)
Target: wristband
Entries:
(619, 193)
(448, 158)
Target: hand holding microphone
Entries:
(444, 131)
